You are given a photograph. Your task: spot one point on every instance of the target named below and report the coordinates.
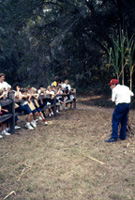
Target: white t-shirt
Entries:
(66, 85)
(24, 101)
(20, 94)
(50, 92)
(59, 92)
(121, 94)
(4, 85)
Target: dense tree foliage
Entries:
(68, 38)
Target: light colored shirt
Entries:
(121, 94)
(66, 85)
(20, 94)
(59, 92)
(4, 85)
(50, 92)
(24, 101)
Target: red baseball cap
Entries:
(113, 81)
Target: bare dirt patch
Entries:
(68, 159)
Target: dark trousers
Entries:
(120, 115)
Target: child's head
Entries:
(24, 90)
(41, 86)
(67, 81)
(56, 78)
(15, 86)
(49, 88)
(43, 90)
(53, 88)
(2, 77)
(33, 89)
(60, 87)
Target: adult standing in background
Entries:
(121, 95)
(3, 84)
(4, 87)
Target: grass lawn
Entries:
(68, 159)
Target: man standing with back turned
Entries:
(121, 95)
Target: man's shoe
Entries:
(122, 138)
(111, 140)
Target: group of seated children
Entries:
(31, 101)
